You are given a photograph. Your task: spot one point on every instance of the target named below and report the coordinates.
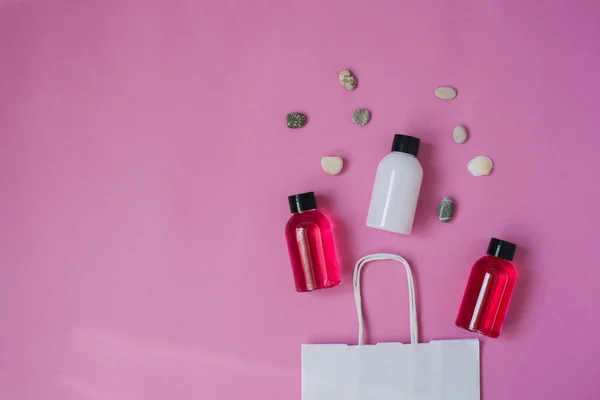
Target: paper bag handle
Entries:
(414, 328)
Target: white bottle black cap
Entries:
(406, 144)
(302, 202)
(502, 249)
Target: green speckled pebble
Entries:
(295, 120)
(446, 209)
(361, 116)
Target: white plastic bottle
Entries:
(396, 189)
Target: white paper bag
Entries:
(438, 370)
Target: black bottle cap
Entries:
(302, 202)
(502, 249)
(406, 144)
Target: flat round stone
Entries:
(361, 116)
(295, 120)
(332, 165)
(347, 80)
(446, 209)
(445, 93)
(460, 134)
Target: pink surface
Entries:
(145, 164)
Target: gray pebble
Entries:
(348, 80)
(445, 93)
(460, 134)
(361, 116)
(295, 120)
(446, 209)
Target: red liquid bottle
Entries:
(310, 245)
(489, 290)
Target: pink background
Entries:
(145, 164)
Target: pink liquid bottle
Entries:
(489, 290)
(310, 245)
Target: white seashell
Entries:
(445, 93)
(480, 166)
(460, 134)
(332, 164)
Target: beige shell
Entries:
(480, 166)
(332, 165)
(445, 93)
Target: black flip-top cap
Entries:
(302, 202)
(502, 249)
(406, 144)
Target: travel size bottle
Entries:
(310, 245)
(489, 290)
(396, 189)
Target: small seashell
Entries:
(295, 120)
(347, 80)
(332, 165)
(361, 117)
(460, 134)
(480, 166)
(445, 93)
(446, 209)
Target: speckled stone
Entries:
(361, 117)
(295, 120)
(446, 209)
(347, 80)
(445, 93)
(460, 134)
